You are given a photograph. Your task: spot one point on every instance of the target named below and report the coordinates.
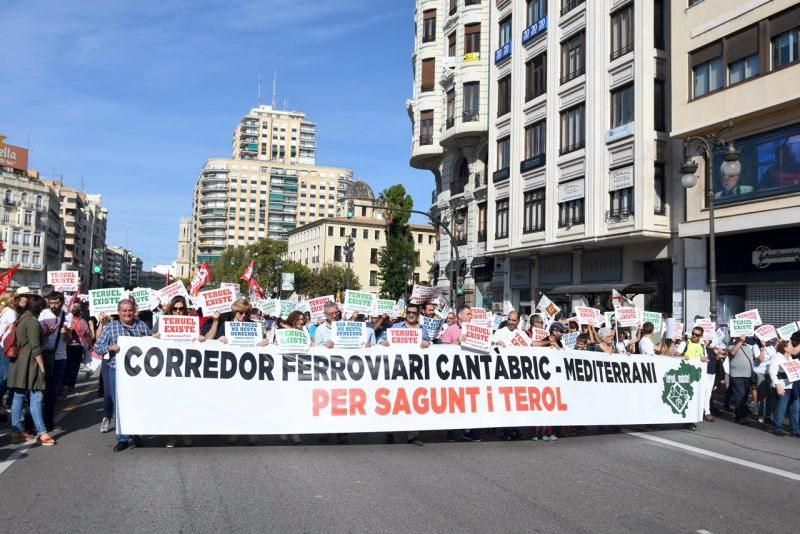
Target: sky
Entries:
(129, 99)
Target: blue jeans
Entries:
(54, 378)
(4, 363)
(110, 390)
(792, 401)
(741, 392)
(18, 418)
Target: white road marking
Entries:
(703, 532)
(718, 456)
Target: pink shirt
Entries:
(452, 334)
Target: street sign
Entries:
(287, 282)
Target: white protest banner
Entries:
(518, 339)
(146, 298)
(442, 307)
(166, 294)
(674, 329)
(349, 334)
(64, 281)
(547, 307)
(569, 340)
(741, 327)
(383, 306)
(358, 301)
(627, 317)
(620, 301)
(270, 307)
(422, 294)
(609, 318)
(476, 337)
(392, 389)
(302, 306)
(766, 332)
(292, 339)
(432, 327)
(287, 307)
(708, 328)
(480, 314)
(244, 333)
(317, 306)
(658, 324)
(792, 370)
(588, 316)
(787, 330)
(179, 328)
(217, 300)
(539, 334)
(750, 314)
(497, 320)
(234, 285)
(404, 336)
(104, 300)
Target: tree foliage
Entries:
(331, 279)
(396, 261)
(396, 197)
(234, 260)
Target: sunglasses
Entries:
(412, 313)
(695, 334)
(179, 308)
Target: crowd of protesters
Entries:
(56, 343)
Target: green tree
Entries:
(397, 259)
(234, 260)
(331, 279)
(303, 276)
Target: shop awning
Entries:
(592, 289)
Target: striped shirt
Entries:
(113, 331)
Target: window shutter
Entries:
(705, 54)
(742, 45)
(428, 73)
(785, 21)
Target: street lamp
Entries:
(706, 145)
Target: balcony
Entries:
(451, 121)
(531, 163)
(501, 175)
(434, 196)
(621, 51)
(482, 236)
(573, 74)
(571, 148)
(426, 139)
(502, 53)
(472, 124)
(619, 215)
(214, 214)
(534, 30)
(425, 155)
(569, 5)
(472, 57)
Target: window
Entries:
(572, 129)
(451, 108)
(784, 38)
(453, 6)
(363, 214)
(373, 256)
(457, 185)
(503, 153)
(377, 234)
(451, 45)
(743, 69)
(341, 231)
(337, 253)
(536, 10)
(36, 258)
(622, 106)
(428, 25)
(28, 218)
(365, 234)
(15, 238)
(569, 5)
(26, 257)
(536, 77)
(742, 56)
(570, 213)
(353, 232)
(659, 31)
(535, 139)
(472, 40)
(38, 202)
(659, 188)
(659, 106)
(707, 70)
(428, 74)
(461, 227)
(9, 197)
(26, 239)
(14, 257)
(622, 31)
(533, 211)
(482, 222)
(373, 278)
(472, 2)
(572, 57)
(504, 95)
(472, 93)
(501, 219)
(621, 203)
(419, 238)
(426, 128)
(504, 31)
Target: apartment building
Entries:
(322, 241)
(449, 115)
(282, 136)
(579, 153)
(85, 220)
(122, 268)
(31, 232)
(739, 62)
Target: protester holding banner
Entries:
(412, 321)
(77, 346)
(606, 342)
(645, 345)
(741, 371)
(27, 375)
(453, 333)
(107, 347)
(8, 317)
(787, 394)
(504, 334)
(57, 326)
(714, 357)
(324, 334)
(765, 403)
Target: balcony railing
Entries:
(500, 175)
(534, 30)
(434, 196)
(471, 115)
(461, 240)
(502, 53)
(572, 148)
(619, 215)
(426, 139)
(569, 5)
(622, 51)
(450, 122)
(573, 74)
(482, 236)
(534, 162)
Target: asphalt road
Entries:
(624, 482)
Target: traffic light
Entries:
(351, 209)
(97, 261)
(349, 249)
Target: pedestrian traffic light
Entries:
(97, 261)
(351, 209)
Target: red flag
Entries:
(247, 275)
(256, 289)
(73, 299)
(5, 279)
(201, 278)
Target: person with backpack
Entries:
(27, 374)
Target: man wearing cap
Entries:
(556, 331)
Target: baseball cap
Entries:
(24, 290)
(559, 327)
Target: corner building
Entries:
(579, 152)
(740, 61)
(449, 118)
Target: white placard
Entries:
(217, 300)
(349, 334)
(571, 190)
(404, 336)
(104, 300)
(244, 333)
(64, 281)
(179, 328)
(620, 178)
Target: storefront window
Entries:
(770, 166)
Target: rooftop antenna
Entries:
(274, 88)
(82, 184)
(259, 90)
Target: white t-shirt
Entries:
(646, 347)
(7, 318)
(48, 319)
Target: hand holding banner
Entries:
(477, 338)
(404, 336)
(179, 328)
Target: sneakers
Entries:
(415, 441)
(472, 436)
(545, 438)
(171, 442)
(106, 425)
(295, 439)
(553, 437)
(120, 446)
(779, 432)
(535, 438)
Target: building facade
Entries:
(323, 241)
(449, 116)
(183, 264)
(122, 268)
(739, 62)
(275, 135)
(578, 153)
(31, 229)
